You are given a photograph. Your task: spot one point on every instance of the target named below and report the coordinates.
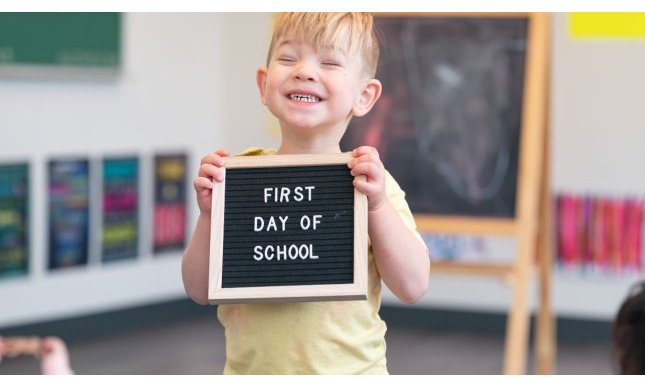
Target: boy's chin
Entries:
(303, 129)
(297, 126)
(308, 125)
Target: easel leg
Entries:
(517, 326)
(545, 336)
(545, 327)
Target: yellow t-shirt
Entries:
(331, 337)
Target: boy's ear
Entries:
(370, 94)
(261, 79)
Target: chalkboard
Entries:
(288, 228)
(449, 120)
(36, 43)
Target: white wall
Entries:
(187, 83)
(598, 114)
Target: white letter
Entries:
(283, 220)
(257, 228)
(282, 252)
(267, 194)
(317, 220)
(303, 255)
(272, 224)
(298, 194)
(266, 252)
(293, 253)
(311, 252)
(310, 188)
(258, 253)
(284, 194)
(302, 222)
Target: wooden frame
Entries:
(531, 226)
(357, 290)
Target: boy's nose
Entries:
(303, 77)
(305, 72)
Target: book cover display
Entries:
(120, 231)
(68, 212)
(14, 219)
(169, 203)
(599, 234)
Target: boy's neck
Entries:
(291, 147)
(308, 144)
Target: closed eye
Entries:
(331, 63)
(286, 59)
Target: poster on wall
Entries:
(170, 202)
(120, 231)
(607, 25)
(14, 219)
(599, 234)
(68, 212)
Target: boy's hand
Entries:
(209, 172)
(365, 161)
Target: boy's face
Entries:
(315, 91)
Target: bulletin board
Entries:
(55, 44)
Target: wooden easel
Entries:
(532, 226)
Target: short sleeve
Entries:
(255, 151)
(397, 197)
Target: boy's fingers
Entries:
(369, 169)
(209, 170)
(213, 159)
(216, 158)
(202, 183)
(366, 158)
(364, 186)
(361, 150)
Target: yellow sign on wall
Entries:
(607, 25)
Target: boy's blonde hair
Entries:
(351, 31)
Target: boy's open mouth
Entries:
(303, 97)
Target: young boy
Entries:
(319, 74)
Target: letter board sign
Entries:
(287, 228)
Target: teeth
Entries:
(304, 98)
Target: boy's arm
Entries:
(194, 265)
(401, 258)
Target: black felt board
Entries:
(332, 242)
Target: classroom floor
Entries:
(197, 347)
